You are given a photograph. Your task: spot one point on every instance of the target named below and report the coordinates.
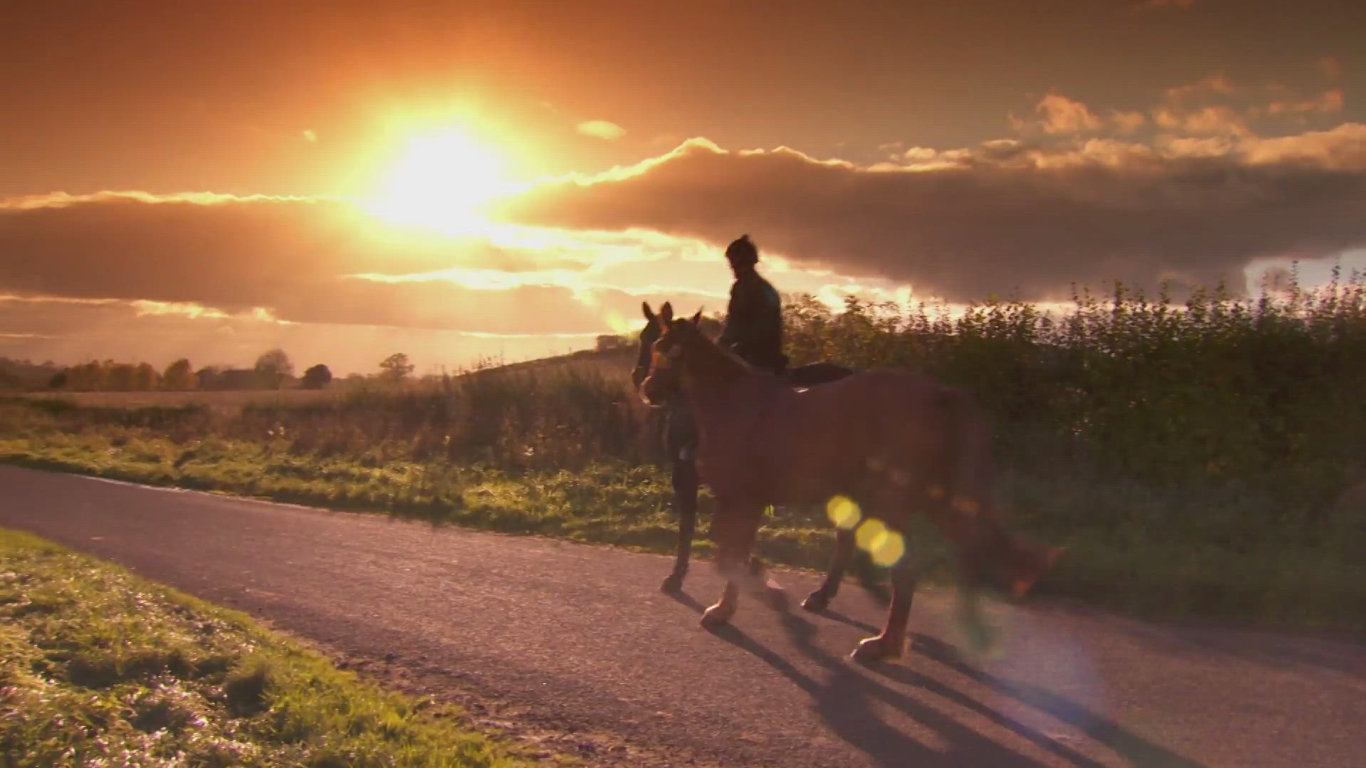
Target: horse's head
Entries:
(648, 336)
(661, 357)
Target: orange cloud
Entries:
(1204, 87)
(601, 129)
(1328, 101)
(1127, 122)
(1064, 115)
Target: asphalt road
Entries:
(573, 646)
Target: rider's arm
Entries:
(736, 318)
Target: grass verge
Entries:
(99, 667)
(1187, 569)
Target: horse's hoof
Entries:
(717, 615)
(672, 585)
(816, 601)
(876, 649)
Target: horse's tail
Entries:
(988, 550)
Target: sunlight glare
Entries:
(442, 181)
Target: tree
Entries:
(395, 367)
(317, 377)
(145, 377)
(178, 376)
(274, 367)
(120, 377)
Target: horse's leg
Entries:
(867, 574)
(820, 599)
(685, 484)
(891, 642)
(734, 531)
(720, 613)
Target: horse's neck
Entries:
(721, 385)
(711, 368)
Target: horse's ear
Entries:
(697, 318)
(649, 313)
(666, 313)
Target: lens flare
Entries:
(867, 532)
(843, 512)
(887, 548)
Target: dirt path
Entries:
(573, 644)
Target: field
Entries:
(225, 402)
(1203, 459)
(99, 667)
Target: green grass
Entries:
(99, 667)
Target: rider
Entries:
(754, 317)
(754, 331)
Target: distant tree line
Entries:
(273, 370)
(19, 375)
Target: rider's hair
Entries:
(742, 251)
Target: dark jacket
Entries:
(754, 323)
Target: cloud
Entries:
(1202, 88)
(1326, 102)
(1127, 122)
(1205, 121)
(1215, 104)
(1005, 217)
(601, 129)
(1063, 115)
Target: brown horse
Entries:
(883, 443)
(680, 443)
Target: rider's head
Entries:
(742, 254)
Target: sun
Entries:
(441, 181)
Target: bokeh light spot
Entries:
(887, 548)
(868, 532)
(843, 512)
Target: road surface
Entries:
(574, 647)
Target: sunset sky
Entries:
(464, 179)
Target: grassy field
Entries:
(226, 402)
(99, 667)
(1205, 459)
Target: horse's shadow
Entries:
(846, 697)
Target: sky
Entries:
(501, 180)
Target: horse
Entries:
(679, 442)
(877, 445)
